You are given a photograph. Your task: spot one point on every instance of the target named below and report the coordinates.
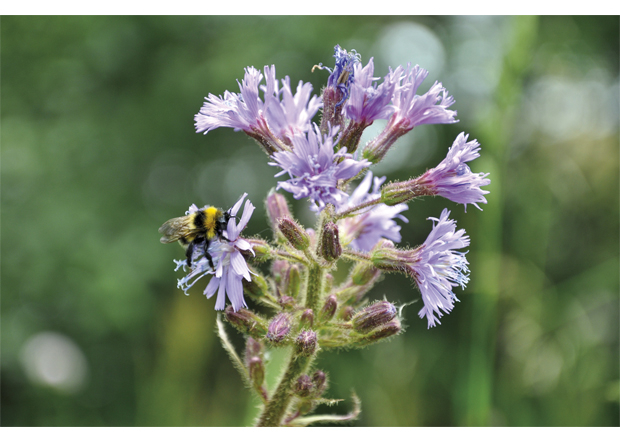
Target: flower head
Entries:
(272, 120)
(291, 114)
(429, 108)
(367, 101)
(315, 169)
(363, 231)
(434, 266)
(230, 265)
(453, 179)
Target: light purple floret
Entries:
(453, 179)
(429, 108)
(437, 268)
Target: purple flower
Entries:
(453, 179)
(268, 121)
(363, 231)
(292, 114)
(315, 169)
(437, 267)
(230, 265)
(434, 266)
(411, 110)
(368, 102)
(414, 110)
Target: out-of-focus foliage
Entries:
(98, 149)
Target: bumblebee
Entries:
(196, 229)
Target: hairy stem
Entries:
(276, 408)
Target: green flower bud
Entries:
(257, 287)
(294, 233)
(392, 328)
(246, 322)
(373, 316)
(256, 368)
(307, 319)
(328, 310)
(363, 274)
(293, 281)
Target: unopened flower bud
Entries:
(252, 348)
(306, 343)
(287, 302)
(329, 283)
(307, 319)
(294, 233)
(246, 322)
(373, 316)
(293, 281)
(363, 274)
(328, 310)
(257, 287)
(261, 249)
(346, 313)
(277, 207)
(279, 269)
(319, 381)
(392, 328)
(279, 328)
(330, 247)
(256, 369)
(303, 386)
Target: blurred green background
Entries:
(98, 149)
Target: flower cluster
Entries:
(319, 162)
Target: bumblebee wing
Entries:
(176, 228)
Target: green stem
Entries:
(314, 287)
(274, 411)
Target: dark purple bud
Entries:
(246, 322)
(385, 331)
(319, 382)
(279, 327)
(373, 316)
(303, 386)
(330, 247)
(294, 233)
(306, 343)
(328, 310)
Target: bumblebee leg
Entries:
(207, 254)
(188, 253)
